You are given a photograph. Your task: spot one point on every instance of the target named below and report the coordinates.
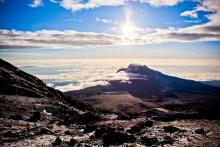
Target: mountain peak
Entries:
(138, 69)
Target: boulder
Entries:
(149, 141)
(167, 140)
(89, 128)
(113, 136)
(72, 142)
(88, 117)
(36, 116)
(170, 129)
(200, 131)
(16, 117)
(57, 141)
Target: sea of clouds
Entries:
(77, 75)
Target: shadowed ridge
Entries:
(14, 81)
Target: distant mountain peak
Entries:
(138, 69)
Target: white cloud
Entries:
(54, 39)
(192, 21)
(77, 5)
(36, 3)
(192, 14)
(159, 3)
(104, 20)
(54, 1)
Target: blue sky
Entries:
(144, 27)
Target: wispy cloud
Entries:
(191, 13)
(104, 20)
(36, 3)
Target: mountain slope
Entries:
(14, 81)
(146, 89)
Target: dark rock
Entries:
(147, 123)
(69, 132)
(92, 137)
(88, 117)
(16, 117)
(134, 129)
(167, 140)
(149, 141)
(44, 131)
(72, 142)
(138, 127)
(200, 131)
(100, 132)
(124, 117)
(35, 117)
(89, 128)
(170, 129)
(57, 142)
(113, 136)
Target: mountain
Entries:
(156, 84)
(146, 89)
(17, 82)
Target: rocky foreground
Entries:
(33, 114)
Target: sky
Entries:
(113, 28)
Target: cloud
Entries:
(192, 21)
(104, 20)
(160, 3)
(53, 39)
(54, 1)
(36, 3)
(77, 5)
(192, 14)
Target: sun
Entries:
(128, 30)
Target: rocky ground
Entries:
(37, 123)
(33, 114)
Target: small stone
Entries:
(44, 131)
(167, 140)
(89, 128)
(149, 141)
(170, 129)
(113, 136)
(69, 132)
(72, 142)
(58, 141)
(35, 117)
(16, 117)
(200, 131)
(134, 129)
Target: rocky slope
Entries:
(33, 114)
